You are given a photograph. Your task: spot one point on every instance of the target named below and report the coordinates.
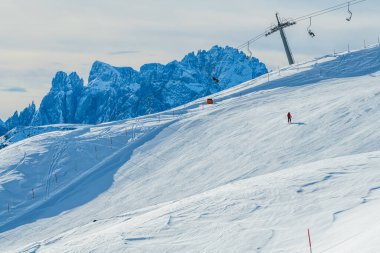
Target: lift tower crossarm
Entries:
(280, 27)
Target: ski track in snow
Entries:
(55, 160)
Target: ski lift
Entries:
(215, 79)
(310, 32)
(249, 52)
(349, 11)
(214, 75)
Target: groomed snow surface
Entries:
(228, 177)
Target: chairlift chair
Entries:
(249, 52)
(349, 11)
(215, 79)
(309, 31)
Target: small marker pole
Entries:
(8, 208)
(365, 45)
(33, 193)
(308, 234)
(348, 47)
(268, 76)
(56, 178)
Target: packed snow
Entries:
(227, 177)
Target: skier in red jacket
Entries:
(289, 118)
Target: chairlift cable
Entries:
(306, 17)
(328, 10)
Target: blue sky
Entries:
(41, 37)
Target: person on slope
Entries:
(289, 118)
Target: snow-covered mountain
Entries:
(24, 118)
(115, 93)
(227, 177)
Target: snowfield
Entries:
(228, 177)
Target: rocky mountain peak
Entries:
(115, 93)
(64, 82)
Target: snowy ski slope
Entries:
(228, 177)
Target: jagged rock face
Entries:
(3, 129)
(12, 121)
(115, 93)
(23, 119)
(61, 103)
(110, 94)
(26, 116)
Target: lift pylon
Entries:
(280, 27)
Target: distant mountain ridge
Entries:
(115, 93)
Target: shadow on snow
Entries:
(85, 188)
(298, 123)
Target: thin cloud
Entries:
(14, 89)
(123, 52)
